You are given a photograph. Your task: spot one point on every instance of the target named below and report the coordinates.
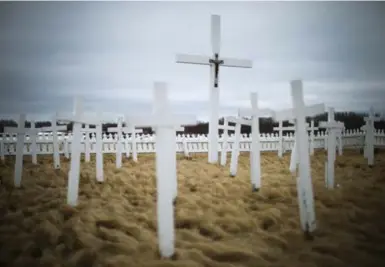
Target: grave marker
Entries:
(225, 144)
(165, 124)
(214, 62)
(78, 119)
(369, 136)
(255, 153)
(304, 184)
(332, 127)
(21, 132)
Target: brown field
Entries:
(219, 221)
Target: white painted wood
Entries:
(312, 128)
(119, 141)
(225, 136)
(280, 134)
(304, 182)
(165, 123)
(20, 131)
(214, 62)
(2, 147)
(255, 154)
(333, 127)
(33, 136)
(78, 119)
(369, 136)
(99, 152)
(237, 137)
(87, 142)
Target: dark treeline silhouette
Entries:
(352, 121)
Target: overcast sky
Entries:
(112, 52)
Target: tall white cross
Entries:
(255, 155)
(20, 131)
(333, 127)
(225, 144)
(119, 139)
(214, 62)
(164, 122)
(78, 118)
(304, 181)
(54, 128)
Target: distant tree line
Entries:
(352, 121)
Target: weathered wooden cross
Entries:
(370, 136)
(304, 181)
(78, 118)
(214, 62)
(333, 128)
(21, 131)
(165, 123)
(255, 153)
(225, 144)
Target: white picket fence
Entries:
(195, 143)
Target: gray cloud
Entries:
(112, 52)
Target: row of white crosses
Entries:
(310, 127)
(165, 123)
(119, 145)
(21, 132)
(214, 62)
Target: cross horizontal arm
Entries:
(59, 128)
(331, 125)
(372, 119)
(236, 63)
(289, 128)
(237, 120)
(79, 118)
(226, 127)
(21, 131)
(192, 59)
(288, 114)
(246, 112)
(162, 121)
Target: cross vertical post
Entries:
(225, 144)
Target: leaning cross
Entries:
(214, 62)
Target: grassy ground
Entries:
(219, 221)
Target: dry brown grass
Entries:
(219, 221)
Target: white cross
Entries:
(369, 136)
(20, 131)
(255, 153)
(333, 128)
(237, 138)
(312, 128)
(225, 144)
(87, 151)
(54, 128)
(301, 153)
(164, 122)
(78, 118)
(214, 62)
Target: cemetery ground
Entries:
(219, 221)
